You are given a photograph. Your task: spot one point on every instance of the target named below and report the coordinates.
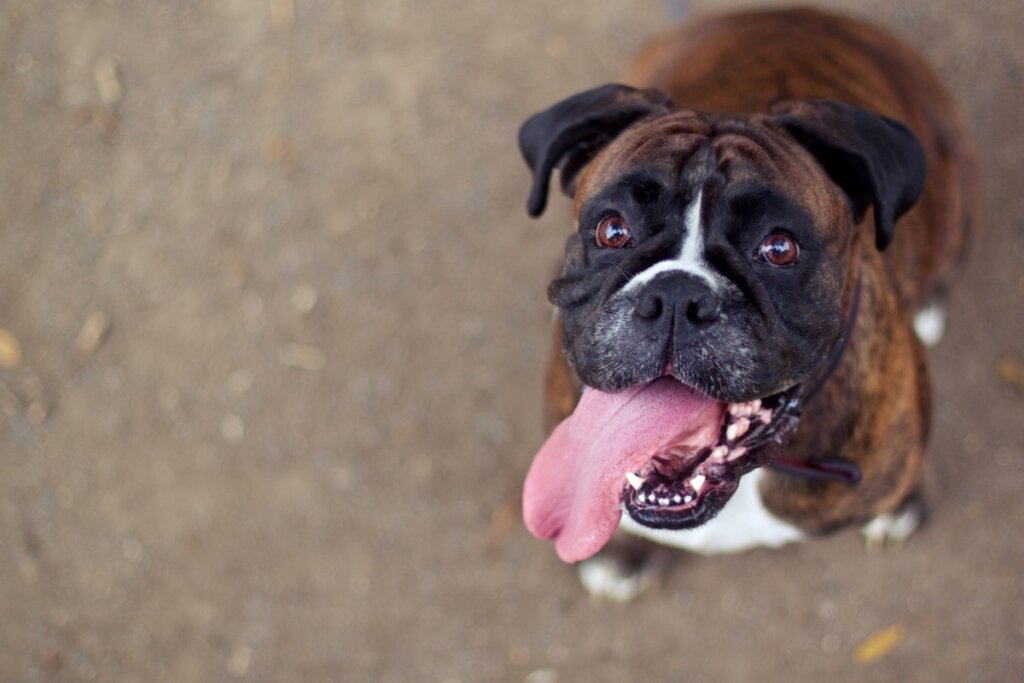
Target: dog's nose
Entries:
(680, 294)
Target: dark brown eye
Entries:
(613, 232)
(778, 249)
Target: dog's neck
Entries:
(855, 418)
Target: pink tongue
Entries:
(573, 489)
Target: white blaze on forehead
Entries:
(691, 254)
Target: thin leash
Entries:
(827, 469)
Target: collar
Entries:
(827, 469)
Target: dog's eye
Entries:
(778, 249)
(613, 232)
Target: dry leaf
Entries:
(10, 350)
(879, 644)
(1011, 372)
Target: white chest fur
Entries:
(743, 523)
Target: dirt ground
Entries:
(281, 322)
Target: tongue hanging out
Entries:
(668, 455)
(574, 489)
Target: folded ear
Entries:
(875, 160)
(571, 133)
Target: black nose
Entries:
(679, 294)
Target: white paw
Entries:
(930, 324)
(609, 578)
(893, 527)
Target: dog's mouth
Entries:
(684, 485)
(664, 453)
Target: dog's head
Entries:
(714, 249)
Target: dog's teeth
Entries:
(737, 453)
(765, 415)
(755, 406)
(677, 499)
(688, 499)
(635, 480)
(735, 408)
(663, 501)
(698, 482)
(741, 425)
(720, 452)
(730, 432)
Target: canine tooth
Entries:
(765, 415)
(698, 482)
(635, 480)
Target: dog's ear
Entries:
(873, 159)
(571, 133)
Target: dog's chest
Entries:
(744, 523)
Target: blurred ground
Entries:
(290, 443)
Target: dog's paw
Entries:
(930, 324)
(617, 578)
(893, 528)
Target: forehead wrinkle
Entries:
(734, 149)
(751, 152)
(667, 142)
(663, 140)
(671, 151)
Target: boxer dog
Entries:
(758, 224)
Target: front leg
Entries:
(623, 569)
(893, 528)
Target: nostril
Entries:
(703, 310)
(649, 305)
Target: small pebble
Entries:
(36, 412)
(302, 356)
(542, 676)
(94, 331)
(282, 14)
(232, 428)
(240, 660)
(108, 81)
(240, 381)
(304, 298)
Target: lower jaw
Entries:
(749, 438)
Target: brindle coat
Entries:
(874, 409)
